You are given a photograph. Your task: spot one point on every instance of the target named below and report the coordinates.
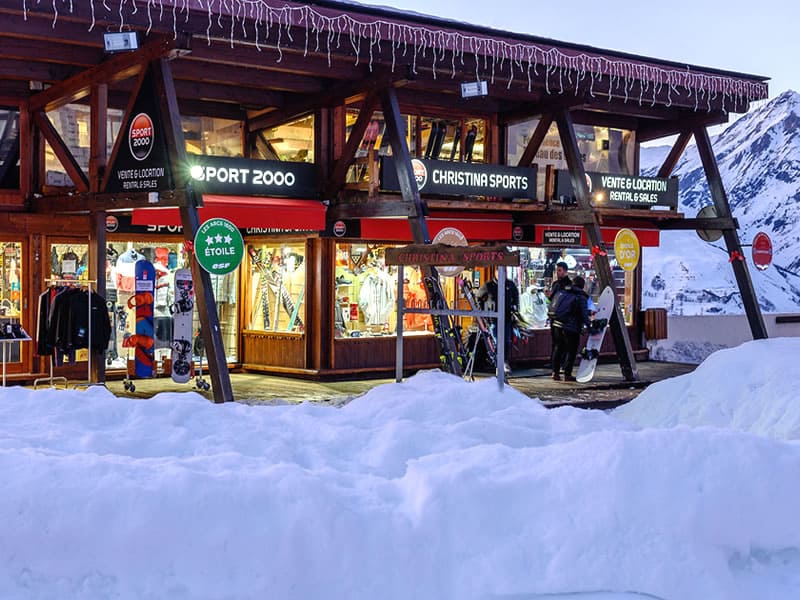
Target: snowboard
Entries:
(181, 310)
(142, 302)
(591, 352)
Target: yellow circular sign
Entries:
(626, 249)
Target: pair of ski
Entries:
(436, 140)
(484, 331)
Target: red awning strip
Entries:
(648, 238)
(475, 226)
(244, 212)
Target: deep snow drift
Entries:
(431, 489)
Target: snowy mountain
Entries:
(759, 161)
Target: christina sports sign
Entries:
(464, 179)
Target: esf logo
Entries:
(141, 136)
(420, 173)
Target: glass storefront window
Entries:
(603, 149)
(167, 257)
(535, 275)
(211, 136)
(9, 148)
(366, 294)
(454, 139)
(68, 262)
(73, 124)
(11, 296)
(293, 141)
(275, 287)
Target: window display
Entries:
(603, 149)
(212, 136)
(276, 287)
(9, 148)
(293, 141)
(166, 257)
(366, 294)
(535, 275)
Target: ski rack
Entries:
(498, 314)
(87, 283)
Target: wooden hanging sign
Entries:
(444, 255)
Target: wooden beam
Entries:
(31, 71)
(125, 117)
(52, 52)
(116, 68)
(713, 224)
(338, 174)
(241, 72)
(674, 154)
(190, 219)
(336, 94)
(84, 203)
(731, 237)
(542, 127)
(61, 151)
(378, 208)
(572, 154)
(98, 138)
(239, 95)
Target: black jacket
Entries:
(580, 317)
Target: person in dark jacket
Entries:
(566, 331)
(562, 282)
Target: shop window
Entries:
(9, 148)
(535, 275)
(275, 287)
(166, 257)
(211, 136)
(73, 124)
(427, 138)
(68, 262)
(292, 142)
(603, 149)
(11, 297)
(363, 173)
(454, 140)
(366, 294)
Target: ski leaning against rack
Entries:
(182, 326)
(443, 327)
(483, 328)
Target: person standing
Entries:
(562, 282)
(572, 314)
(487, 297)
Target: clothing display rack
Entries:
(88, 284)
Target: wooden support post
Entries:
(720, 199)
(619, 331)
(674, 154)
(97, 164)
(204, 294)
(418, 223)
(536, 141)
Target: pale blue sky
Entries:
(759, 37)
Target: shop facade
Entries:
(325, 151)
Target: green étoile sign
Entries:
(218, 246)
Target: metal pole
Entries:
(401, 306)
(500, 355)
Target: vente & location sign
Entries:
(623, 191)
(463, 179)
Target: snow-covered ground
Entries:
(431, 489)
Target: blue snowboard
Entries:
(144, 354)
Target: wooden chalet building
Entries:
(328, 132)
